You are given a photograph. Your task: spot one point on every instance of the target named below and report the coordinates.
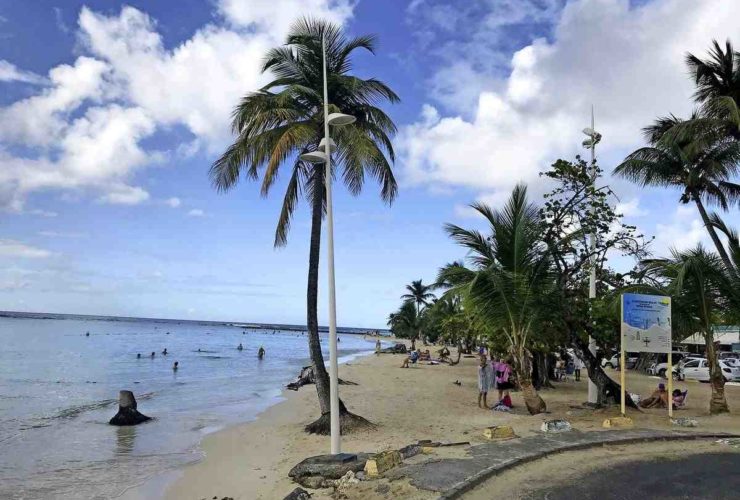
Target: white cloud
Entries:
(62, 234)
(683, 231)
(13, 248)
(629, 61)
(196, 212)
(125, 195)
(631, 208)
(173, 202)
(42, 213)
(83, 131)
(9, 73)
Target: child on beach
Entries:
(503, 372)
(485, 379)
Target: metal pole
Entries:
(336, 445)
(593, 392)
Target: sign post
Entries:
(646, 327)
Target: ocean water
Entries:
(59, 388)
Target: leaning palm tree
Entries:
(284, 119)
(508, 281)
(701, 169)
(701, 290)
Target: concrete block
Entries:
(618, 422)
(499, 432)
(382, 462)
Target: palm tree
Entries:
(508, 279)
(405, 322)
(418, 294)
(284, 119)
(701, 287)
(701, 169)
(718, 86)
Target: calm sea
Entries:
(59, 388)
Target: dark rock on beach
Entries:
(127, 412)
(298, 494)
(314, 472)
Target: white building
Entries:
(727, 336)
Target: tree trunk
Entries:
(347, 421)
(718, 402)
(609, 391)
(715, 238)
(459, 353)
(127, 412)
(540, 371)
(321, 376)
(523, 370)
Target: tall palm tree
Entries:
(701, 287)
(284, 119)
(405, 321)
(508, 279)
(418, 293)
(702, 170)
(717, 81)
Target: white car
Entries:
(679, 359)
(698, 369)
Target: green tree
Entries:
(509, 276)
(701, 169)
(420, 295)
(405, 322)
(701, 289)
(276, 124)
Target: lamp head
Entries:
(314, 157)
(332, 144)
(340, 119)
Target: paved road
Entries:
(708, 476)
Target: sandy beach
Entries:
(251, 461)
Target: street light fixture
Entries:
(593, 139)
(323, 155)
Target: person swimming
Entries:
(261, 352)
(153, 354)
(241, 347)
(138, 356)
(87, 334)
(164, 353)
(174, 367)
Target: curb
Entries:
(468, 484)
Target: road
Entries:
(705, 476)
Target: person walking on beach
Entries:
(485, 379)
(377, 346)
(578, 365)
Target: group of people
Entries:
(566, 365)
(659, 398)
(494, 375)
(419, 355)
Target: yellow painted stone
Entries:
(499, 432)
(427, 450)
(618, 422)
(382, 462)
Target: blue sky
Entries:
(111, 114)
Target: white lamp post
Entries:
(593, 139)
(323, 155)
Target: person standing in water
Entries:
(164, 352)
(261, 352)
(152, 356)
(174, 367)
(240, 347)
(138, 356)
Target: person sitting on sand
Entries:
(261, 352)
(678, 398)
(412, 358)
(485, 379)
(425, 356)
(659, 398)
(174, 367)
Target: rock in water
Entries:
(556, 426)
(127, 412)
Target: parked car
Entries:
(698, 369)
(661, 367)
(612, 362)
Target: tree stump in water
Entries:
(127, 412)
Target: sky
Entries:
(112, 113)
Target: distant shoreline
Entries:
(235, 324)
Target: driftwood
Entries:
(307, 377)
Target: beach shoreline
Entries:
(251, 460)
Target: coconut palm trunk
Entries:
(523, 369)
(718, 402)
(713, 234)
(312, 293)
